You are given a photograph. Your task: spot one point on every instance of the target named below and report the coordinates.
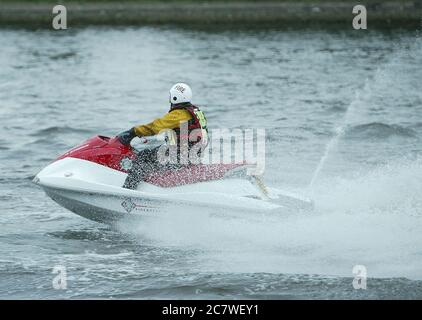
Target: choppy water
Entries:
(59, 88)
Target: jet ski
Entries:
(88, 179)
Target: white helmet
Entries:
(180, 93)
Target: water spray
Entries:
(339, 132)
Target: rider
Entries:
(182, 114)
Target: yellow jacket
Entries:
(170, 120)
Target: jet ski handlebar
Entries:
(152, 139)
(143, 140)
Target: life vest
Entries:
(197, 122)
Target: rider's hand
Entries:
(127, 136)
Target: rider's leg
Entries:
(144, 164)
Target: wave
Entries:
(3, 145)
(87, 234)
(378, 130)
(49, 131)
(63, 56)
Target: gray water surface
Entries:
(59, 88)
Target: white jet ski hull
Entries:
(94, 191)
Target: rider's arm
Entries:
(170, 121)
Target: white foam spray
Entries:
(372, 220)
(359, 103)
(339, 131)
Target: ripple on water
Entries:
(377, 130)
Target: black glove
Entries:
(127, 136)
